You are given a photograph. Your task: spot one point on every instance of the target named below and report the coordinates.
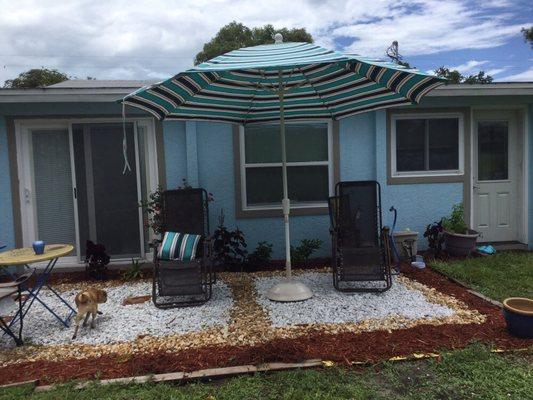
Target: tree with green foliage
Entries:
(528, 35)
(480, 77)
(235, 35)
(35, 78)
(455, 77)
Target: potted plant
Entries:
(458, 239)
(96, 260)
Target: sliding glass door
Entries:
(74, 187)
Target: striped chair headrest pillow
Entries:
(178, 246)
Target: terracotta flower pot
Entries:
(461, 245)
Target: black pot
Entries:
(460, 245)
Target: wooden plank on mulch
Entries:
(200, 374)
(482, 296)
(460, 283)
(32, 382)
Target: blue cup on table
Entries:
(38, 247)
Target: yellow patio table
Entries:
(26, 256)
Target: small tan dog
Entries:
(87, 303)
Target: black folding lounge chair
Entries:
(361, 259)
(16, 288)
(184, 283)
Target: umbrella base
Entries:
(289, 290)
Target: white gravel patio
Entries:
(333, 307)
(121, 323)
(248, 318)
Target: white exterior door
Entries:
(495, 176)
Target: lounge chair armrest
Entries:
(208, 246)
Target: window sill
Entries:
(278, 212)
(429, 178)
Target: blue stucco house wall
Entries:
(362, 145)
(203, 154)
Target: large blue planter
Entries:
(518, 313)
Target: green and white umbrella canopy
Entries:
(279, 82)
(241, 86)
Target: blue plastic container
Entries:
(518, 313)
(38, 247)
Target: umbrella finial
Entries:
(278, 38)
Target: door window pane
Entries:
(410, 144)
(493, 162)
(54, 206)
(443, 144)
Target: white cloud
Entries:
(469, 66)
(496, 71)
(157, 38)
(524, 76)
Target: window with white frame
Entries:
(427, 144)
(309, 168)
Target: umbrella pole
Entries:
(286, 204)
(290, 289)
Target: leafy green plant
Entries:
(134, 271)
(303, 252)
(455, 223)
(152, 207)
(435, 236)
(96, 260)
(262, 255)
(229, 247)
(152, 210)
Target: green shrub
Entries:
(134, 271)
(455, 223)
(262, 255)
(303, 252)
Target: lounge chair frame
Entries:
(15, 287)
(359, 268)
(184, 283)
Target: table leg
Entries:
(42, 280)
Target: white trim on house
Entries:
(432, 115)
(102, 93)
(23, 144)
(294, 205)
(489, 89)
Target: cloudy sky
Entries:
(155, 39)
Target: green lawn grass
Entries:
(505, 274)
(472, 373)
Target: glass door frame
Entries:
(23, 128)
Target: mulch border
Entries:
(342, 348)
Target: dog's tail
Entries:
(82, 298)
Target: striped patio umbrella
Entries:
(283, 82)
